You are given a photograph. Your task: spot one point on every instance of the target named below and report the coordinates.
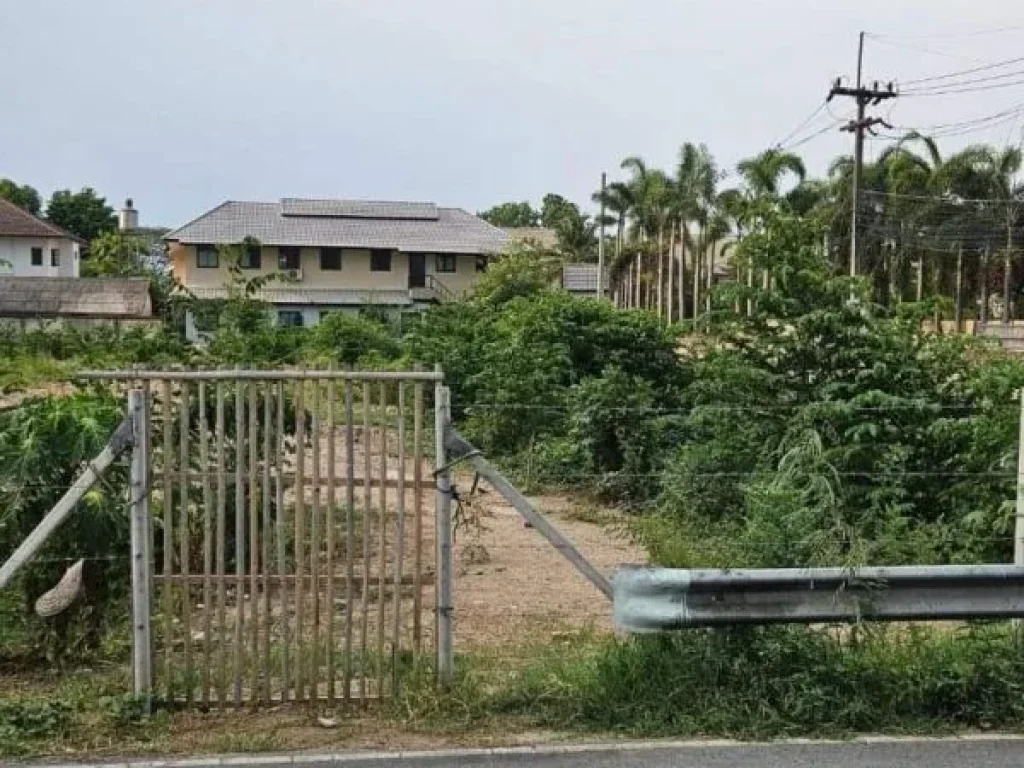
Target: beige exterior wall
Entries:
(354, 274)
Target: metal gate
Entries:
(293, 554)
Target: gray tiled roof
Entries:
(582, 278)
(453, 231)
(358, 209)
(107, 297)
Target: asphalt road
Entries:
(894, 754)
(925, 753)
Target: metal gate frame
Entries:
(263, 471)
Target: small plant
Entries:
(27, 720)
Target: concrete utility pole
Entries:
(1018, 527)
(600, 241)
(864, 96)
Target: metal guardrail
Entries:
(663, 599)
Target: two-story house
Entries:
(32, 247)
(336, 254)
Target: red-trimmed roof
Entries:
(17, 222)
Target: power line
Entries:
(969, 89)
(799, 127)
(973, 70)
(948, 35)
(922, 49)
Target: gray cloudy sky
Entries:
(184, 103)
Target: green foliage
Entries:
(532, 370)
(27, 720)
(22, 195)
(44, 444)
(347, 339)
(511, 215)
(84, 213)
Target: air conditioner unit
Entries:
(294, 274)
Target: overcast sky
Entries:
(182, 104)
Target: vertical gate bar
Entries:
(417, 503)
(382, 531)
(329, 524)
(315, 544)
(367, 526)
(282, 565)
(350, 532)
(168, 540)
(254, 540)
(185, 534)
(204, 465)
(142, 641)
(239, 649)
(445, 658)
(268, 431)
(300, 538)
(400, 540)
(222, 535)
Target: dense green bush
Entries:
(44, 445)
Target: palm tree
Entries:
(765, 172)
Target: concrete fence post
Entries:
(142, 646)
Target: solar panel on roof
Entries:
(358, 209)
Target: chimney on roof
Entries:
(128, 217)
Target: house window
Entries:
(481, 263)
(55, 257)
(37, 257)
(251, 257)
(444, 262)
(380, 260)
(330, 259)
(289, 318)
(289, 258)
(207, 257)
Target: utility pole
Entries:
(1018, 527)
(600, 241)
(864, 97)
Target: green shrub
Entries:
(26, 720)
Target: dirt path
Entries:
(512, 588)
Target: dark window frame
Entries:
(246, 260)
(212, 260)
(481, 263)
(55, 257)
(329, 257)
(285, 262)
(443, 260)
(36, 257)
(292, 316)
(380, 253)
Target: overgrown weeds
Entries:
(751, 683)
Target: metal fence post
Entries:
(445, 650)
(142, 646)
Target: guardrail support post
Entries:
(142, 646)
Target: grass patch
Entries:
(752, 684)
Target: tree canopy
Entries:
(84, 213)
(22, 195)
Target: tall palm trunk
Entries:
(696, 281)
(682, 268)
(958, 315)
(661, 271)
(670, 292)
(983, 312)
(1007, 268)
(919, 294)
(710, 246)
(636, 287)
